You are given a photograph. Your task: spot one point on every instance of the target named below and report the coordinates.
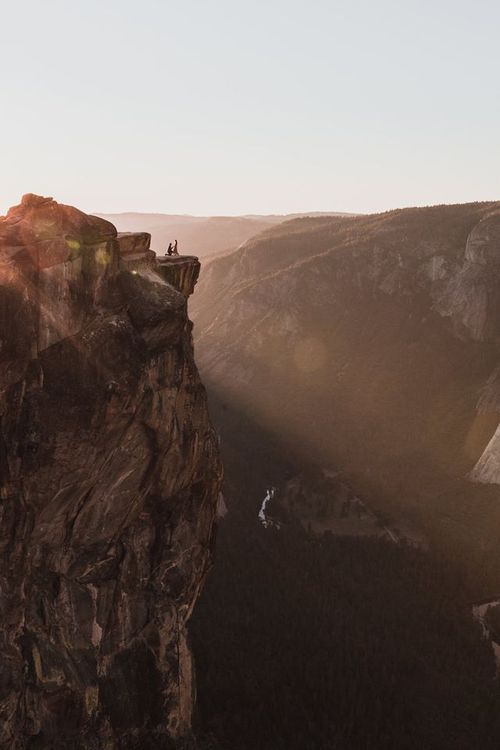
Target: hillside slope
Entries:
(372, 342)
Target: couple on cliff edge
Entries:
(172, 249)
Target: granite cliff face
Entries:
(372, 342)
(109, 478)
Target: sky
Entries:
(266, 106)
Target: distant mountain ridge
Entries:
(200, 235)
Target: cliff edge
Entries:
(109, 478)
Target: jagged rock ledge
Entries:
(180, 271)
(109, 479)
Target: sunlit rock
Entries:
(109, 482)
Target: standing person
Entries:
(175, 251)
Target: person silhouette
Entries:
(169, 249)
(175, 251)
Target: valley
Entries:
(352, 378)
(327, 640)
(351, 370)
(370, 345)
(250, 376)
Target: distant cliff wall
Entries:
(371, 343)
(109, 478)
(359, 297)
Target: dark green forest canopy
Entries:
(331, 643)
(338, 643)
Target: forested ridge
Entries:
(339, 643)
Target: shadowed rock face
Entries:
(182, 272)
(109, 478)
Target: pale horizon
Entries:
(247, 214)
(230, 109)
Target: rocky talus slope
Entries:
(372, 343)
(109, 478)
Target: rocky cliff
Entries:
(109, 477)
(372, 342)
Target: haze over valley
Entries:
(202, 235)
(369, 344)
(250, 375)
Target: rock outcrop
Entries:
(109, 479)
(180, 271)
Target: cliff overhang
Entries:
(109, 478)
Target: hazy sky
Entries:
(224, 107)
